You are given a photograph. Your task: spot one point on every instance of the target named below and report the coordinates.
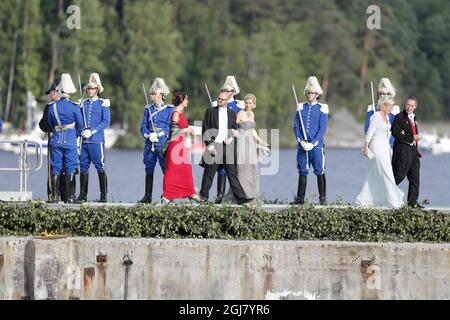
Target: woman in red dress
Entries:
(178, 181)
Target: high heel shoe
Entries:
(195, 198)
(164, 200)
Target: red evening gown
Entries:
(178, 181)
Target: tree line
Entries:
(267, 44)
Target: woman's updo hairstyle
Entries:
(251, 97)
(178, 98)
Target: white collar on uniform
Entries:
(411, 116)
(159, 107)
(93, 99)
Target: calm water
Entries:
(346, 171)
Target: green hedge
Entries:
(209, 222)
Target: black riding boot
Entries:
(70, 188)
(73, 187)
(148, 189)
(63, 192)
(322, 185)
(84, 183)
(103, 181)
(54, 196)
(221, 186)
(301, 190)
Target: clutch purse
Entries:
(262, 152)
(164, 148)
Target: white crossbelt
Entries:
(65, 127)
(60, 127)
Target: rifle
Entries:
(373, 100)
(301, 121)
(300, 115)
(209, 95)
(84, 115)
(150, 115)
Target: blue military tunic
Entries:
(371, 111)
(233, 105)
(315, 120)
(161, 120)
(97, 115)
(66, 123)
(236, 105)
(1, 125)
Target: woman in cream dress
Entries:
(379, 188)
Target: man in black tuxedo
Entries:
(406, 156)
(220, 148)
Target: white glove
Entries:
(307, 146)
(153, 137)
(86, 133)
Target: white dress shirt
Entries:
(223, 126)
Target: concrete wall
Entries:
(92, 268)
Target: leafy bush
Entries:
(239, 223)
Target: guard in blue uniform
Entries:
(43, 125)
(311, 147)
(1, 125)
(385, 88)
(96, 118)
(230, 86)
(66, 123)
(155, 128)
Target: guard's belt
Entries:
(156, 129)
(65, 127)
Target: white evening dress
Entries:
(380, 189)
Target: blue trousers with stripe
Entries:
(151, 158)
(92, 153)
(316, 158)
(66, 157)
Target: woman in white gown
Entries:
(380, 189)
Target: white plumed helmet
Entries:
(159, 86)
(66, 84)
(385, 86)
(230, 84)
(313, 84)
(94, 82)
